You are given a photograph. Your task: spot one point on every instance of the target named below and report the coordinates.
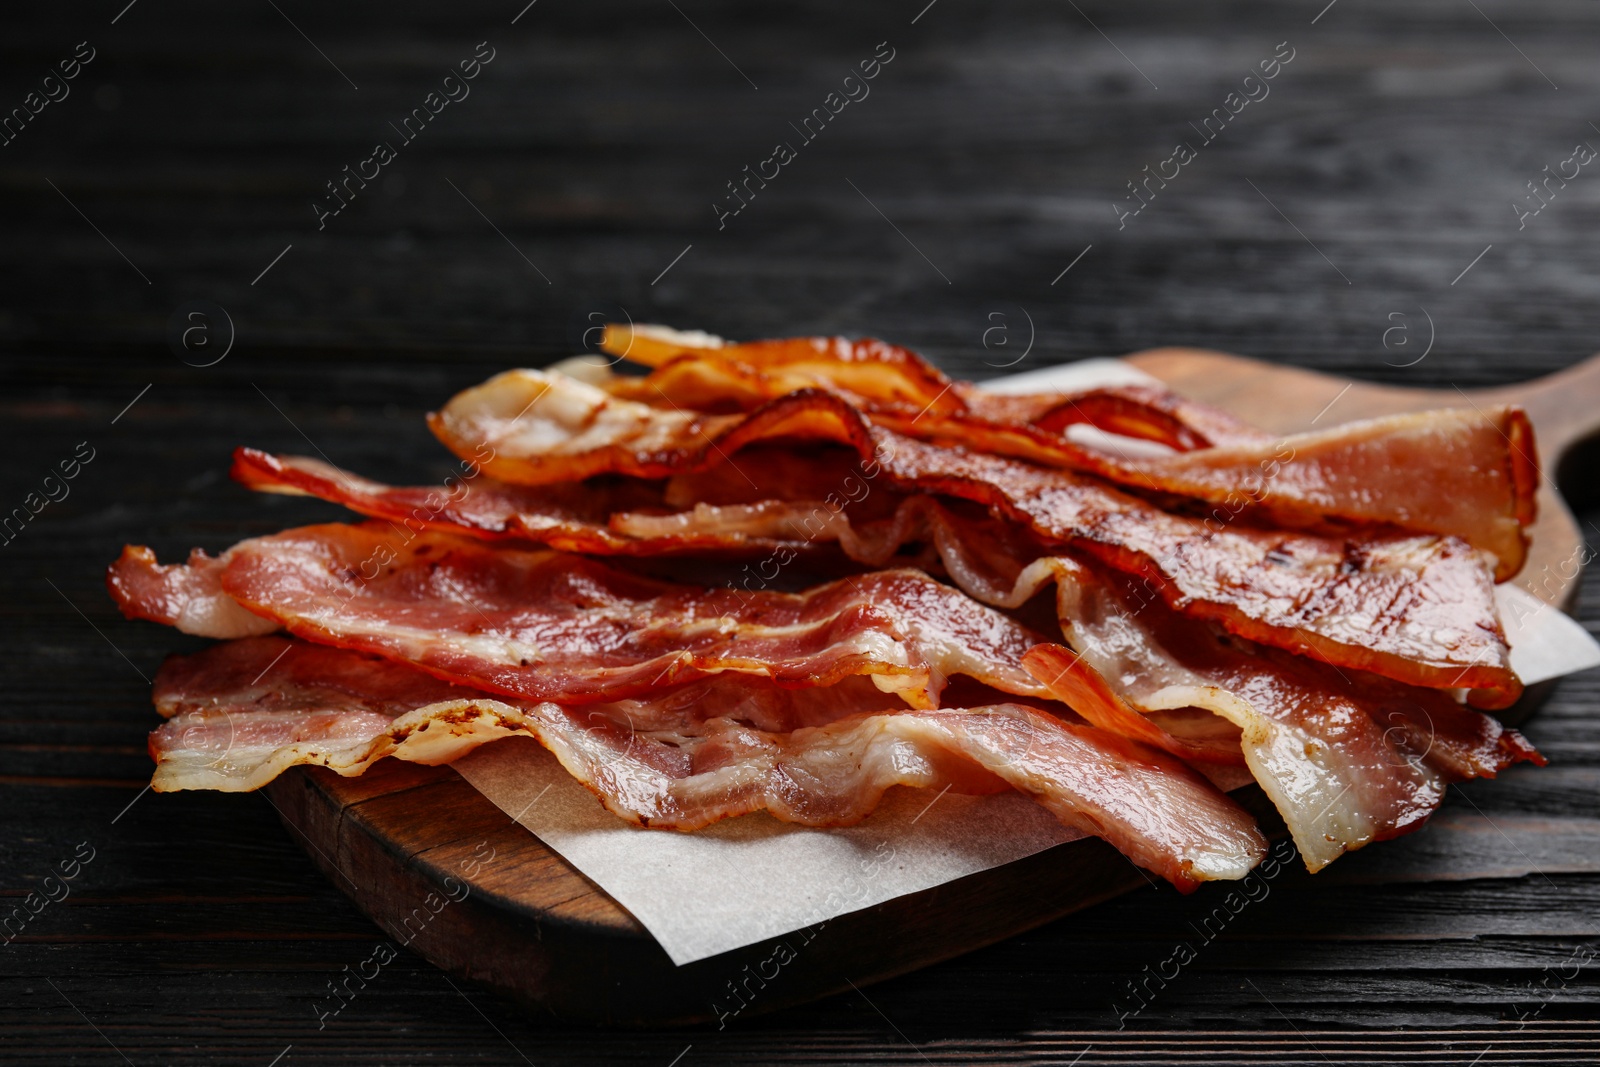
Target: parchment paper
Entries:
(753, 878)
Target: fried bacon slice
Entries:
(1026, 425)
(744, 375)
(611, 518)
(241, 713)
(578, 429)
(1345, 762)
(545, 625)
(569, 517)
(1466, 473)
(1416, 608)
(705, 373)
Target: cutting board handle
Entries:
(1565, 407)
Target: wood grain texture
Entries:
(997, 141)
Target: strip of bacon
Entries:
(738, 377)
(555, 626)
(244, 710)
(1465, 473)
(1346, 759)
(231, 728)
(929, 405)
(580, 429)
(569, 517)
(707, 374)
(705, 526)
(1418, 608)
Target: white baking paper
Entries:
(753, 878)
(749, 879)
(1545, 641)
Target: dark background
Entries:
(188, 155)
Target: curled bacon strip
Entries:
(1464, 473)
(554, 626)
(707, 374)
(576, 429)
(1418, 609)
(738, 377)
(782, 528)
(1346, 760)
(242, 711)
(230, 730)
(570, 517)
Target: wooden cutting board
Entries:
(411, 845)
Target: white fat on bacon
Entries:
(186, 596)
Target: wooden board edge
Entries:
(606, 976)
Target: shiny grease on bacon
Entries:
(1467, 473)
(786, 528)
(1347, 759)
(544, 625)
(1417, 608)
(227, 729)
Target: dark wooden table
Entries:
(964, 207)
